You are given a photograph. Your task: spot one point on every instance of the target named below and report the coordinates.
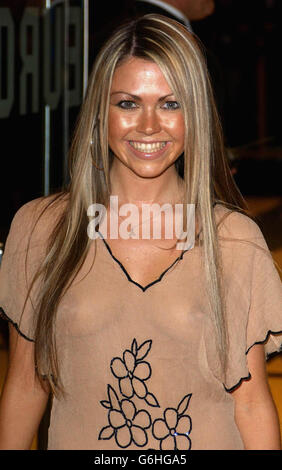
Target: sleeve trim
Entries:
(5, 317)
(248, 377)
(270, 332)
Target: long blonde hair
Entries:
(203, 167)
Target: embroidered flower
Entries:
(173, 430)
(132, 372)
(126, 424)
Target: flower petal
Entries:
(139, 387)
(125, 387)
(159, 429)
(142, 370)
(129, 360)
(128, 409)
(168, 443)
(118, 368)
(142, 419)
(116, 419)
(139, 436)
(183, 442)
(123, 436)
(170, 416)
(184, 424)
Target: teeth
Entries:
(148, 148)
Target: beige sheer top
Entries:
(140, 363)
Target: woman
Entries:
(142, 346)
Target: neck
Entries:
(132, 188)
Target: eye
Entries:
(171, 105)
(126, 104)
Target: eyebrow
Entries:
(136, 97)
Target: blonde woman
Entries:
(141, 345)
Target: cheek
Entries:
(175, 127)
(119, 124)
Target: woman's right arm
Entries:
(24, 398)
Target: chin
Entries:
(148, 172)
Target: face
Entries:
(146, 124)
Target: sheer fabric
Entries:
(140, 367)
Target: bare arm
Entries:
(255, 412)
(23, 399)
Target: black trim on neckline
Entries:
(4, 316)
(143, 288)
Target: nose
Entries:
(148, 122)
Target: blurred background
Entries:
(47, 48)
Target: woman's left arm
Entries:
(255, 412)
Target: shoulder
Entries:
(44, 206)
(37, 218)
(35, 207)
(237, 225)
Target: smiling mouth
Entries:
(148, 148)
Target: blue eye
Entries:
(127, 104)
(171, 105)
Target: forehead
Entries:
(136, 73)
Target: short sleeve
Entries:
(259, 320)
(265, 313)
(23, 254)
(253, 295)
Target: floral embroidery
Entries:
(126, 423)
(132, 372)
(173, 430)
